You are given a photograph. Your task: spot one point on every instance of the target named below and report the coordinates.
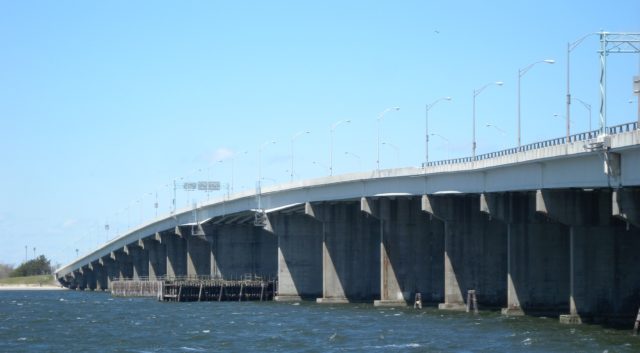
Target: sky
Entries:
(104, 104)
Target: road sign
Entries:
(209, 185)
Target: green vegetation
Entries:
(30, 280)
(5, 270)
(38, 266)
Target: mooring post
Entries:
(418, 301)
(472, 300)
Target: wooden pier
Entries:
(186, 289)
(217, 290)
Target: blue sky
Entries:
(103, 104)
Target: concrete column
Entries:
(100, 274)
(474, 251)
(351, 255)
(89, 278)
(157, 252)
(602, 252)
(176, 247)
(244, 249)
(299, 255)
(502, 207)
(411, 250)
(626, 205)
(198, 256)
(123, 263)
(139, 259)
(80, 280)
(111, 269)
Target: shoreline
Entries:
(30, 287)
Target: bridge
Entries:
(550, 228)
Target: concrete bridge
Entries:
(549, 228)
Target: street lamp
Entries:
(426, 130)
(570, 47)
(292, 140)
(588, 107)
(476, 92)
(333, 127)
(497, 128)
(378, 120)
(521, 73)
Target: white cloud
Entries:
(222, 153)
(69, 223)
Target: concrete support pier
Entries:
(198, 256)
(243, 249)
(299, 254)
(474, 251)
(139, 259)
(157, 255)
(350, 255)
(411, 251)
(176, 247)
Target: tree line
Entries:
(38, 266)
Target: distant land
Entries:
(43, 282)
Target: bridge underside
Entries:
(569, 252)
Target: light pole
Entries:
(292, 140)
(570, 47)
(333, 127)
(426, 129)
(378, 120)
(521, 73)
(476, 92)
(588, 107)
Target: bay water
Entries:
(70, 321)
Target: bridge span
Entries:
(549, 228)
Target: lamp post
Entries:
(476, 92)
(333, 127)
(588, 107)
(426, 130)
(521, 73)
(570, 47)
(292, 140)
(378, 120)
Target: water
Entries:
(67, 321)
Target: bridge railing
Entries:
(582, 136)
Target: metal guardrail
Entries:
(583, 136)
